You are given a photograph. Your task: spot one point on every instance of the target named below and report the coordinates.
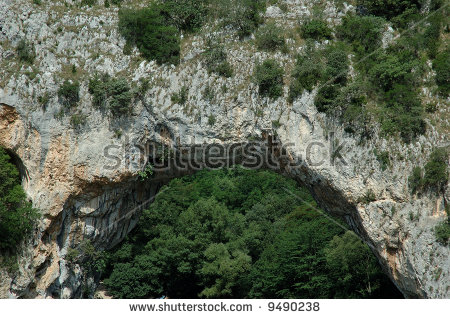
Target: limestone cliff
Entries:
(65, 170)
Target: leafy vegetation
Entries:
(269, 37)
(316, 29)
(441, 66)
(435, 174)
(269, 78)
(400, 12)
(362, 32)
(180, 97)
(442, 232)
(216, 59)
(151, 32)
(415, 180)
(307, 73)
(241, 15)
(186, 15)
(112, 93)
(17, 217)
(69, 93)
(236, 233)
(25, 51)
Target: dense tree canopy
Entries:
(16, 213)
(242, 234)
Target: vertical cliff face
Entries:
(85, 180)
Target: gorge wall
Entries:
(84, 194)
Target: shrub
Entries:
(436, 174)
(69, 93)
(432, 34)
(269, 37)
(441, 66)
(77, 120)
(149, 30)
(112, 93)
(181, 97)
(388, 71)
(17, 217)
(316, 29)
(269, 78)
(211, 120)
(216, 60)
(326, 96)
(241, 15)
(400, 12)
(25, 51)
(306, 74)
(368, 197)
(415, 180)
(89, 3)
(363, 33)
(337, 65)
(120, 96)
(382, 158)
(442, 232)
(44, 99)
(350, 102)
(187, 15)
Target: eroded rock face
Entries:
(84, 193)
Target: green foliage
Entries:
(44, 99)
(316, 29)
(151, 32)
(269, 78)
(389, 70)
(400, 12)
(69, 93)
(432, 34)
(119, 96)
(77, 120)
(241, 15)
(363, 33)
(415, 180)
(337, 65)
(325, 97)
(441, 66)
(72, 255)
(25, 51)
(211, 120)
(112, 93)
(442, 232)
(269, 37)
(146, 173)
(436, 172)
(17, 217)
(187, 15)
(393, 74)
(216, 60)
(383, 159)
(306, 74)
(368, 197)
(181, 97)
(236, 233)
(89, 3)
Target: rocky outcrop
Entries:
(85, 180)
